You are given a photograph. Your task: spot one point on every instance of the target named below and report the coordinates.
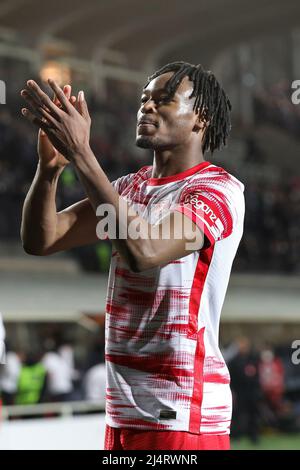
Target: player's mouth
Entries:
(146, 121)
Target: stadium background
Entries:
(56, 305)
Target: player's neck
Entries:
(171, 162)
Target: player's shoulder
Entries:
(124, 182)
(141, 174)
(215, 175)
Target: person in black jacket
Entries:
(246, 391)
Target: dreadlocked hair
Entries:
(211, 101)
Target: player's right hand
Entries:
(49, 157)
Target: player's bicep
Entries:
(76, 226)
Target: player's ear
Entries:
(201, 124)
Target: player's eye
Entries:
(164, 99)
(160, 100)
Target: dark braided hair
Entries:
(211, 101)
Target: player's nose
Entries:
(148, 106)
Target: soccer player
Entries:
(167, 382)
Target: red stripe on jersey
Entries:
(178, 176)
(168, 366)
(220, 211)
(201, 271)
(197, 220)
(196, 401)
(217, 378)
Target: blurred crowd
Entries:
(264, 381)
(272, 207)
(275, 106)
(51, 376)
(271, 239)
(266, 389)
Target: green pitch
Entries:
(269, 442)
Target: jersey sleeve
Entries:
(121, 183)
(213, 205)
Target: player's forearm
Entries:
(136, 251)
(97, 186)
(39, 217)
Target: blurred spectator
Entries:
(94, 380)
(246, 391)
(95, 383)
(32, 381)
(60, 374)
(271, 376)
(66, 351)
(10, 374)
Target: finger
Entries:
(82, 106)
(33, 104)
(40, 117)
(34, 119)
(77, 106)
(60, 96)
(67, 91)
(37, 108)
(42, 133)
(31, 99)
(40, 111)
(44, 98)
(47, 117)
(45, 129)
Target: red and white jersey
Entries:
(165, 370)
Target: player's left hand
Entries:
(67, 126)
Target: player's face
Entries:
(163, 122)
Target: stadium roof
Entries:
(139, 35)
